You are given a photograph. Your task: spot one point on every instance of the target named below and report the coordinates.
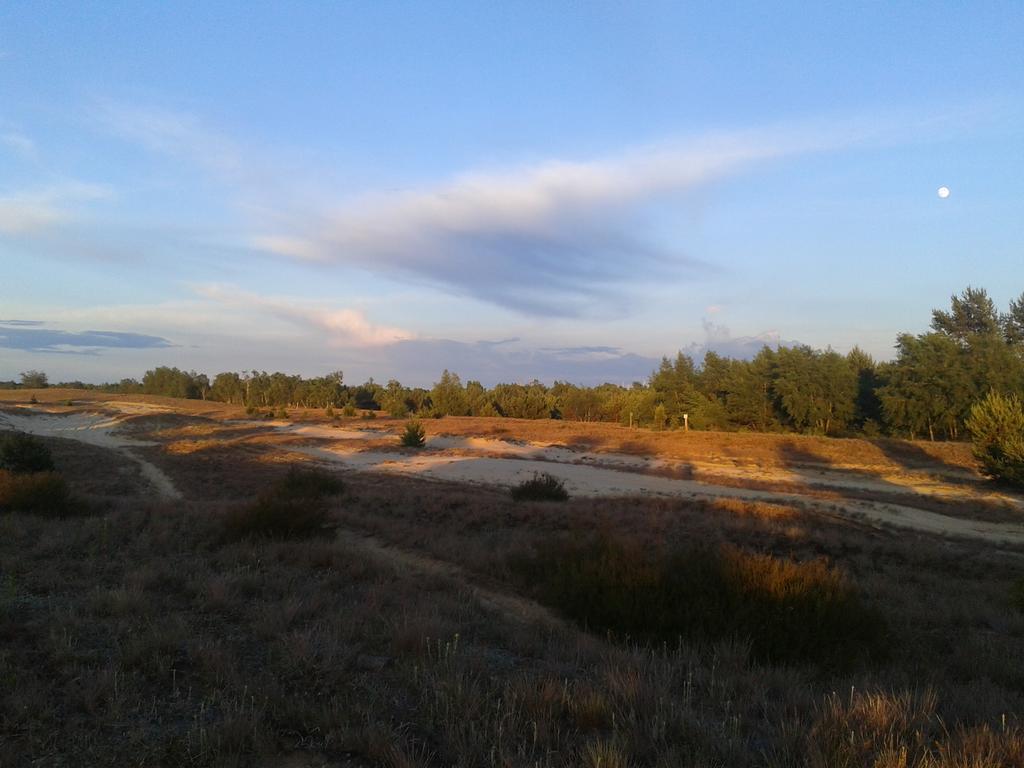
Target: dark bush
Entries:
(414, 435)
(299, 482)
(787, 610)
(40, 493)
(21, 452)
(542, 487)
(277, 517)
(295, 507)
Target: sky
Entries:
(552, 190)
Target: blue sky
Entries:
(509, 190)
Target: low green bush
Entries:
(542, 487)
(414, 436)
(787, 611)
(40, 493)
(21, 452)
(996, 425)
(349, 410)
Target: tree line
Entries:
(928, 390)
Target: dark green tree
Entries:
(971, 313)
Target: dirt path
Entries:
(509, 606)
(93, 429)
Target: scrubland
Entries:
(284, 612)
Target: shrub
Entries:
(786, 610)
(308, 482)
(295, 507)
(41, 493)
(414, 435)
(21, 452)
(542, 487)
(369, 415)
(996, 425)
(281, 413)
(348, 410)
(277, 517)
(329, 412)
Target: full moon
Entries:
(943, 192)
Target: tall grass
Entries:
(788, 611)
(39, 493)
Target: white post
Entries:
(686, 422)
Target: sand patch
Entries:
(93, 429)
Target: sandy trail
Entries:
(585, 480)
(94, 429)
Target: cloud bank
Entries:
(719, 339)
(27, 336)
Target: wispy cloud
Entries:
(558, 238)
(18, 143)
(33, 210)
(342, 327)
(174, 133)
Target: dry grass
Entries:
(138, 637)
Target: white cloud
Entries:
(343, 327)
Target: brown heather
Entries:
(421, 630)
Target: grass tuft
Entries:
(542, 487)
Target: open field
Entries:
(429, 620)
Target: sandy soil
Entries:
(463, 458)
(92, 428)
